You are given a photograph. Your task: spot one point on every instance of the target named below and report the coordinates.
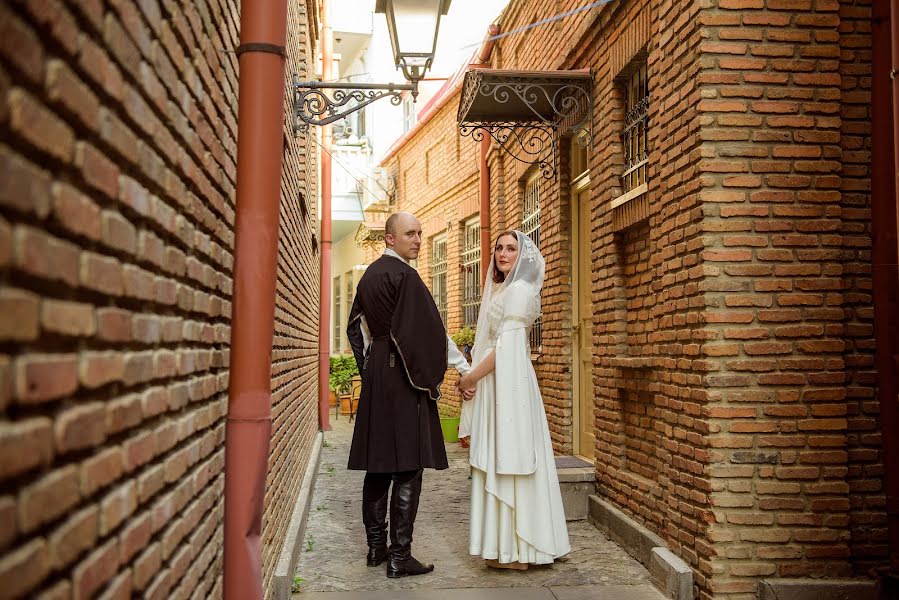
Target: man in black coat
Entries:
(402, 349)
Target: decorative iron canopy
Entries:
(525, 112)
(370, 234)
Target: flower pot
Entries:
(332, 398)
(450, 428)
(345, 404)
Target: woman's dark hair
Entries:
(499, 276)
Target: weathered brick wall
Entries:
(787, 270)
(295, 420)
(438, 182)
(119, 128)
(865, 469)
(735, 398)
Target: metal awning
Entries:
(526, 112)
(370, 234)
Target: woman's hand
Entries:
(467, 382)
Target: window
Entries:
(530, 226)
(438, 274)
(349, 288)
(337, 318)
(471, 272)
(635, 135)
(530, 221)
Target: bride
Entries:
(516, 505)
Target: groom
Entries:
(402, 350)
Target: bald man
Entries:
(403, 351)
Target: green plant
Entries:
(343, 369)
(446, 412)
(331, 470)
(310, 542)
(327, 444)
(464, 337)
(295, 586)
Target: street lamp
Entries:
(413, 27)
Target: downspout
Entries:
(324, 323)
(484, 168)
(260, 134)
(884, 213)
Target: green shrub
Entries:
(343, 369)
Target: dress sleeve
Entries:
(516, 452)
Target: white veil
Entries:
(526, 276)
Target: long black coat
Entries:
(397, 424)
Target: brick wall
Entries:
(735, 396)
(438, 183)
(119, 125)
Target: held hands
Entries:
(467, 385)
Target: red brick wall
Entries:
(438, 182)
(118, 122)
(735, 398)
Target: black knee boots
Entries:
(374, 517)
(403, 509)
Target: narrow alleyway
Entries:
(333, 557)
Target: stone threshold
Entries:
(584, 592)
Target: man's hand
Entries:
(467, 392)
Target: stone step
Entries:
(576, 479)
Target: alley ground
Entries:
(333, 567)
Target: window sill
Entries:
(634, 193)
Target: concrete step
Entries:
(577, 479)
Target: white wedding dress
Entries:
(516, 504)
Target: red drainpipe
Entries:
(484, 168)
(263, 35)
(884, 213)
(324, 323)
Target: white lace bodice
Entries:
(494, 319)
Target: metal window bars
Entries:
(438, 276)
(335, 347)
(471, 273)
(530, 226)
(635, 135)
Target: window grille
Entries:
(335, 342)
(349, 288)
(438, 275)
(471, 273)
(635, 135)
(530, 226)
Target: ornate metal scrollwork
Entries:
(524, 112)
(531, 143)
(312, 106)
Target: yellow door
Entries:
(582, 320)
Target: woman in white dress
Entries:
(517, 517)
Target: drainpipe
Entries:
(484, 168)
(486, 241)
(260, 133)
(324, 323)
(884, 213)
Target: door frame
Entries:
(578, 186)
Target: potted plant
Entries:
(464, 339)
(449, 422)
(343, 370)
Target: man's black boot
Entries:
(374, 517)
(403, 509)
